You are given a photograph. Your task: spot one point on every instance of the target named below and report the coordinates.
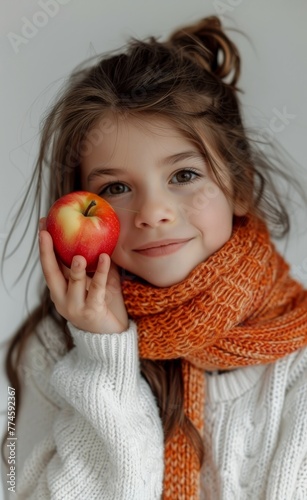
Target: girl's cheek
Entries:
(200, 201)
(126, 221)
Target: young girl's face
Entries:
(173, 215)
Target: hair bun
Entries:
(207, 44)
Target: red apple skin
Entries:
(74, 233)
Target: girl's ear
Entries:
(240, 207)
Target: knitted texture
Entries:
(240, 307)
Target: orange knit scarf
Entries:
(240, 307)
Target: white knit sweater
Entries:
(89, 425)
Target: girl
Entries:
(179, 369)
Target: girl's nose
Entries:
(153, 212)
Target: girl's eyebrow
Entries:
(169, 160)
(185, 155)
(99, 171)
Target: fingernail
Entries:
(40, 224)
(101, 258)
(75, 263)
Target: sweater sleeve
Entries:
(105, 440)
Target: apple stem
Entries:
(92, 204)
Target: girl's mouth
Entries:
(163, 249)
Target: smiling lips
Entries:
(163, 247)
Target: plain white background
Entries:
(42, 41)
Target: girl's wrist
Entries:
(107, 328)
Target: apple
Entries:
(82, 223)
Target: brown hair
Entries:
(191, 79)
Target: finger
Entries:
(65, 270)
(88, 282)
(76, 291)
(97, 288)
(113, 282)
(42, 223)
(52, 273)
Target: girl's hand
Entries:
(92, 304)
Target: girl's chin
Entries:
(127, 275)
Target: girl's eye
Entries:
(185, 176)
(113, 189)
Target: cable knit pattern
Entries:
(105, 439)
(255, 433)
(240, 307)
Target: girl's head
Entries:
(139, 111)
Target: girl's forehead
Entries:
(120, 136)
